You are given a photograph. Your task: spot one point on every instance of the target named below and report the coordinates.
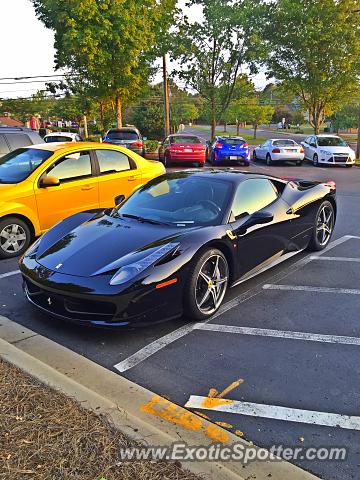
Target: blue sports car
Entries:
(229, 150)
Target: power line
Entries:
(27, 77)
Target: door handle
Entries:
(134, 177)
(87, 187)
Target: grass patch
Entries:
(220, 132)
(47, 435)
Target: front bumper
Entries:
(92, 301)
(337, 160)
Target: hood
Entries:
(337, 149)
(103, 245)
(7, 191)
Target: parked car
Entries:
(182, 148)
(62, 137)
(12, 138)
(41, 185)
(229, 150)
(174, 247)
(279, 150)
(128, 137)
(328, 150)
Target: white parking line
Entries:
(166, 340)
(261, 332)
(9, 274)
(275, 412)
(337, 259)
(306, 288)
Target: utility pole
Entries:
(166, 97)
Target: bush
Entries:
(151, 145)
(94, 138)
(299, 131)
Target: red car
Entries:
(182, 148)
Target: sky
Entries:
(28, 48)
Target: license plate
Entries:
(232, 157)
(290, 150)
(188, 150)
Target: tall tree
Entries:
(213, 50)
(105, 42)
(315, 50)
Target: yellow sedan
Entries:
(43, 184)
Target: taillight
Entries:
(218, 145)
(276, 150)
(331, 183)
(245, 145)
(302, 150)
(137, 145)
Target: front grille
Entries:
(70, 307)
(341, 158)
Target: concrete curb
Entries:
(137, 412)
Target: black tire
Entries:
(201, 165)
(298, 163)
(269, 162)
(17, 239)
(212, 159)
(315, 244)
(167, 162)
(255, 159)
(194, 286)
(348, 166)
(315, 160)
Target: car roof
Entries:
(54, 147)
(281, 139)
(124, 129)
(230, 137)
(227, 174)
(61, 134)
(5, 129)
(327, 135)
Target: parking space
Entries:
(292, 334)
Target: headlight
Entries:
(32, 249)
(325, 152)
(126, 273)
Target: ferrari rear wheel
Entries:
(323, 227)
(207, 288)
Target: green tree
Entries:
(315, 52)
(212, 50)
(148, 116)
(346, 117)
(105, 43)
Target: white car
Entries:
(279, 150)
(328, 150)
(62, 137)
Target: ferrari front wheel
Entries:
(323, 227)
(205, 292)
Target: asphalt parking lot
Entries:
(292, 334)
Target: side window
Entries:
(253, 195)
(4, 148)
(78, 138)
(111, 161)
(73, 166)
(18, 140)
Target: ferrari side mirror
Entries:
(257, 218)
(119, 199)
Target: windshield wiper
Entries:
(143, 220)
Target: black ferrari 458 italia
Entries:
(174, 247)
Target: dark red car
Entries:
(181, 149)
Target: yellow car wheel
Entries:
(15, 237)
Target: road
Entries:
(292, 334)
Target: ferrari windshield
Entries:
(16, 166)
(180, 199)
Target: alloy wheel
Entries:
(211, 284)
(12, 238)
(325, 224)
(316, 160)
